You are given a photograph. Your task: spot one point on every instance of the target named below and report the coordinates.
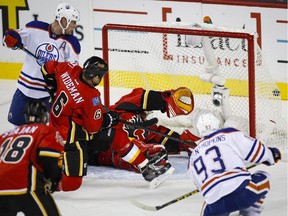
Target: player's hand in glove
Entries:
(12, 39)
(110, 119)
(276, 156)
(50, 186)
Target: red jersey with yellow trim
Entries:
(131, 107)
(75, 101)
(22, 151)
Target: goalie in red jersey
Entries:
(133, 108)
(30, 165)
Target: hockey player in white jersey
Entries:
(46, 42)
(218, 168)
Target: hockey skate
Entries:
(254, 210)
(157, 170)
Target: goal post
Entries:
(156, 56)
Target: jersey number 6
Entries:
(59, 103)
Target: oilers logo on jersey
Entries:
(45, 52)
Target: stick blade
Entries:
(143, 206)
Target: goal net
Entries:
(158, 57)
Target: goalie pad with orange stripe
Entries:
(178, 102)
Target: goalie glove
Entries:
(178, 102)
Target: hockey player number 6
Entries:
(61, 100)
(217, 163)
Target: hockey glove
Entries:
(12, 39)
(110, 119)
(276, 156)
(50, 186)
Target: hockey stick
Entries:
(145, 126)
(156, 208)
(192, 144)
(21, 46)
(264, 136)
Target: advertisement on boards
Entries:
(268, 21)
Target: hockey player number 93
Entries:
(216, 165)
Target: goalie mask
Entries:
(36, 112)
(95, 66)
(68, 12)
(207, 123)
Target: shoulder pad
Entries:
(223, 130)
(74, 42)
(228, 130)
(38, 24)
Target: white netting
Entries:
(162, 61)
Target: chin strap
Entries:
(62, 28)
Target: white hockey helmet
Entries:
(207, 123)
(67, 11)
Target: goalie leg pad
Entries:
(75, 159)
(132, 154)
(178, 102)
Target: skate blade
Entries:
(160, 179)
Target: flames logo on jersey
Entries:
(45, 52)
(135, 132)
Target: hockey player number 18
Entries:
(14, 152)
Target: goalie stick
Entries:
(263, 137)
(151, 122)
(192, 144)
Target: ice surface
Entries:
(106, 191)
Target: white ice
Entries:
(106, 191)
